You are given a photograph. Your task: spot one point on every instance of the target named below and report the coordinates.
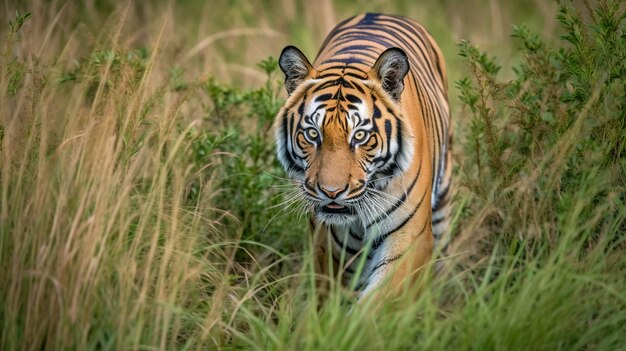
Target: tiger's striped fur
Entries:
(365, 133)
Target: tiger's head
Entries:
(342, 134)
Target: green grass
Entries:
(141, 206)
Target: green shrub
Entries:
(537, 141)
(254, 190)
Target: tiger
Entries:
(365, 136)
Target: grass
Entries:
(141, 206)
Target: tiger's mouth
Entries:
(336, 208)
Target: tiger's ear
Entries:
(295, 66)
(390, 69)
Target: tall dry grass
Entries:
(96, 229)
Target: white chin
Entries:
(335, 219)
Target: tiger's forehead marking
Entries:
(321, 115)
(314, 113)
(343, 105)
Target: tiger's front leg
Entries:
(320, 258)
(400, 262)
(331, 266)
(391, 268)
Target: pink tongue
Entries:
(334, 205)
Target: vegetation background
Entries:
(141, 206)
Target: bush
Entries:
(536, 142)
(254, 191)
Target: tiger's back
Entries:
(366, 133)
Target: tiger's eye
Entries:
(360, 135)
(312, 133)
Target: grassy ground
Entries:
(141, 206)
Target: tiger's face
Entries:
(341, 135)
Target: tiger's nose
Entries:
(331, 191)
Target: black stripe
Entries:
(384, 262)
(438, 220)
(387, 156)
(323, 97)
(353, 99)
(289, 155)
(358, 87)
(363, 75)
(400, 201)
(347, 268)
(356, 190)
(348, 60)
(399, 137)
(359, 35)
(325, 85)
(355, 48)
(369, 18)
(379, 240)
(301, 108)
(441, 196)
(348, 249)
(376, 113)
(389, 260)
(355, 236)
